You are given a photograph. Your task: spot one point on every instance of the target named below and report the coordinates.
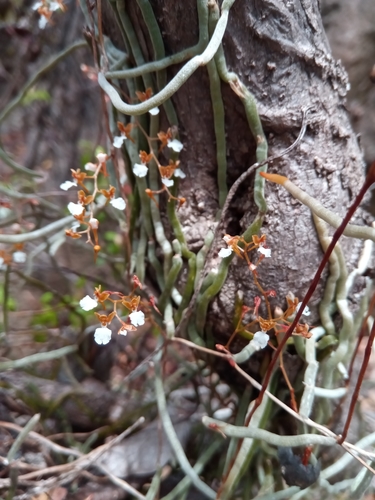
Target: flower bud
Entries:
(94, 223)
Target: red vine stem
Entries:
(370, 179)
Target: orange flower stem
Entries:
(290, 387)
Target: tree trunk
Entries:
(280, 52)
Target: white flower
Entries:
(42, 23)
(67, 185)
(175, 144)
(37, 5)
(90, 166)
(118, 203)
(75, 208)
(260, 340)
(102, 335)
(54, 6)
(306, 311)
(140, 170)
(19, 257)
(265, 251)
(167, 182)
(87, 303)
(179, 173)
(119, 140)
(102, 157)
(94, 223)
(154, 111)
(137, 318)
(225, 252)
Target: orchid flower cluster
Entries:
(167, 140)
(83, 211)
(134, 316)
(280, 324)
(45, 9)
(16, 256)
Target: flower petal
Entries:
(306, 311)
(91, 166)
(102, 157)
(42, 23)
(87, 303)
(75, 208)
(19, 257)
(94, 223)
(137, 318)
(260, 340)
(179, 173)
(140, 170)
(225, 252)
(102, 335)
(67, 185)
(167, 182)
(154, 111)
(118, 141)
(265, 251)
(54, 6)
(118, 203)
(175, 144)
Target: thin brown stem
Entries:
(288, 383)
(358, 384)
(370, 179)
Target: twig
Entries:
(353, 449)
(73, 468)
(38, 233)
(37, 358)
(172, 436)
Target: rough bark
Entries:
(281, 53)
(351, 33)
